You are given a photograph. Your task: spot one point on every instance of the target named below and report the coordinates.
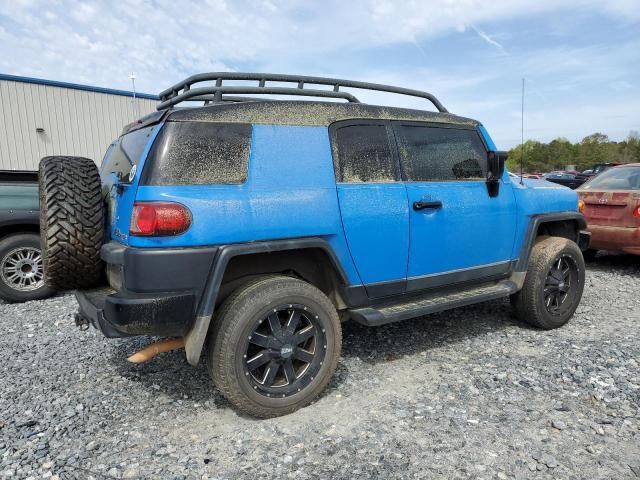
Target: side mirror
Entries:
(496, 161)
(495, 169)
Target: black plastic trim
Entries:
(494, 271)
(584, 240)
(148, 270)
(121, 314)
(227, 252)
(373, 316)
(535, 222)
(371, 293)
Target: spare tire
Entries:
(71, 222)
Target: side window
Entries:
(124, 153)
(362, 153)
(441, 154)
(199, 153)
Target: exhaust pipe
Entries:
(154, 349)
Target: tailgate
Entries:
(614, 208)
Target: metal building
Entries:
(44, 117)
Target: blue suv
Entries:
(254, 228)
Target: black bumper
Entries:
(152, 291)
(116, 315)
(584, 240)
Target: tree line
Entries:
(561, 153)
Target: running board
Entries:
(431, 303)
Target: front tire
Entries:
(554, 284)
(21, 268)
(275, 346)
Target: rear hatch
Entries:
(612, 197)
(119, 173)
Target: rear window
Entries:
(125, 152)
(620, 178)
(199, 153)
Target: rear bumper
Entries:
(151, 292)
(624, 239)
(118, 315)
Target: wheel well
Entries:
(12, 229)
(561, 228)
(310, 264)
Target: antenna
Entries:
(136, 112)
(522, 138)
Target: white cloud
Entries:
(489, 39)
(163, 41)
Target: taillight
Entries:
(636, 212)
(156, 219)
(581, 206)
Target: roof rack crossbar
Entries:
(197, 94)
(183, 91)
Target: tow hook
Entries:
(82, 322)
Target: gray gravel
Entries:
(466, 393)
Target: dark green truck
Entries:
(21, 273)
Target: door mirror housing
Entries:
(495, 162)
(495, 170)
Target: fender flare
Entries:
(194, 340)
(535, 222)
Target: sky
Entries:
(580, 58)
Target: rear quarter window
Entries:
(199, 153)
(125, 152)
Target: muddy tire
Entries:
(71, 222)
(554, 284)
(275, 346)
(21, 272)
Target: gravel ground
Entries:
(466, 393)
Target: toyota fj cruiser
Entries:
(255, 227)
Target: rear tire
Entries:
(257, 356)
(21, 268)
(71, 222)
(554, 284)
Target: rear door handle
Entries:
(425, 205)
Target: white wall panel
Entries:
(75, 122)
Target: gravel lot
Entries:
(466, 393)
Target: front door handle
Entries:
(424, 205)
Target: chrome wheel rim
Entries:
(22, 269)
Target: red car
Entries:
(611, 204)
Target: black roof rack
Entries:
(183, 91)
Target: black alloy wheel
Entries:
(285, 351)
(557, 287)
(274, 346)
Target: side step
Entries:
(431, 303)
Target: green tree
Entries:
(559, 153)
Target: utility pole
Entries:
(136, 113)
(522, 138)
